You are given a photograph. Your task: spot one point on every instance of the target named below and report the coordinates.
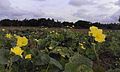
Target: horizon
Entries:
(102, 11)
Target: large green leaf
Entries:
(80, 59)
(72, 67)
(4, 54)
(41, 59)
(79, 63)
(56, 63)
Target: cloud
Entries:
(115, 16)
(81, 2)
(64, 10)
(39, 0)
(7, 11)
(92, 14)
(117, 2)
(4, 4)
(95, 10)
(100, 13)
(5, 8)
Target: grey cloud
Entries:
(117, 3)
(6, 11)
(103, 8)
(39, 0)
(4, 4)
(87, 14)
(115, 16)
(83, 13)
(81, 2)
(21, 14)
(59, 18)
(5, 8)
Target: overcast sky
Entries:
(63, 10)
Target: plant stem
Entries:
(47, 68)
(97, 56)
(10, 66)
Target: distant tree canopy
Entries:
(43, 22)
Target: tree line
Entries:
(43, 22)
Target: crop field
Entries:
(35, 49)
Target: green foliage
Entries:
(4, 56)
(41, 58)
(56, 63)
(61, 51)
(114, 70)
(79, 63)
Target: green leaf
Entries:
(79, 60)
(4, 54)
(79, 63)
(84, 68)
(41, 59)
(70, 67)
(56, 63)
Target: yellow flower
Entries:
(92, 28)
(22, 41)
(28, 56)
(81, 46)
(8, 36)
(17, 51)
(100, 38)
(97, 33)
(94, 31)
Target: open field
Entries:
(58, 50)
(49, 29)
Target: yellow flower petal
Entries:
(17, 51)
(100, 38)
(22, 41)
(28, 56)
(97, 34)
(8, 36)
